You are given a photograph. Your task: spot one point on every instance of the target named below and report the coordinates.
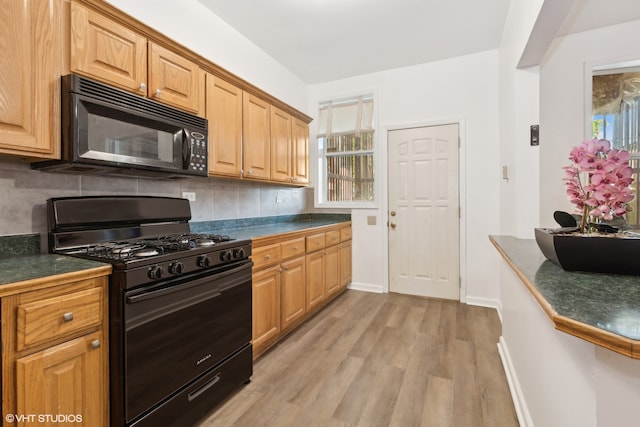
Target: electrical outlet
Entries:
(189, 195)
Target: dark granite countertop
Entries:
(22, 268)
(253, 228)
(601, 308)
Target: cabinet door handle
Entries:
(67, 317)
(95, 344)
(158, 92)
(143, 86)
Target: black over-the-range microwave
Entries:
(106, 130)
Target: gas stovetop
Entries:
(129, 250)
(149, 238)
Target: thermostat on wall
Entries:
(535, 134)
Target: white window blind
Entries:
(346, 144)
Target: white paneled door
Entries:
(424, 211)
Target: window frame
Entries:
(320, 199)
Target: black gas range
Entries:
(179, 304)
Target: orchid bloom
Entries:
(598, 181)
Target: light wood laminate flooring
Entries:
(379, 360)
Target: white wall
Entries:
(563, 121)
(519, 109)
(191, 24)
(461, 89)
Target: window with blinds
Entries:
(346, 148)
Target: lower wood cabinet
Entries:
(294, 275)
(64, 381)
(293, 292)
(316, 267)
(55, 355)
(266, 305)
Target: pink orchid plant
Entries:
(599, 180)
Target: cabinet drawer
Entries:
(266, 255)
(65, 315)
(291, 248)
(332, 238)
(315, 242)
(345, 234)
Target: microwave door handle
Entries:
(186, 150)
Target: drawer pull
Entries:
(67, 317)
(95, 344)
(267, 257)
(295, 248)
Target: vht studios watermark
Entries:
(44, 418)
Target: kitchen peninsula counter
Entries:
(603, 309)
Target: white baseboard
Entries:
(485, 302)
(366, 287)
(514, 386)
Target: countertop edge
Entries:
(53, 280)
(625, 346)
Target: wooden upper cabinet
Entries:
(256, 135)
(107, 51)
(175, 80)
(32, 58)
(118, 55)
(280, 145)
(300, 151)
(224, 112)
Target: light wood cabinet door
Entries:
(256, 133)
(31, 50)
(315, 279)
(224, 112)
(300, 151)
(266, 306)
(332, 272)
(293, 291)
(175, 80)
(345, 263)
(107, 51)
(281, 147)
(69, 379)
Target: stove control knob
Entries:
(156, 272)
(203, 261)
(176, 268)
(238, 253)
(225, 256)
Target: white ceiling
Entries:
(325, 40)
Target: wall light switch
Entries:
(371, 220)
(189, 195)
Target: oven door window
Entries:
(109, 134)
(176, 331)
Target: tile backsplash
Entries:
(25, 191)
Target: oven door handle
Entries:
(132, 299)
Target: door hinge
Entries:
(459, 212)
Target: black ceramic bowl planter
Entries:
(615, 253)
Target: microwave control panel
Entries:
(199, 151)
